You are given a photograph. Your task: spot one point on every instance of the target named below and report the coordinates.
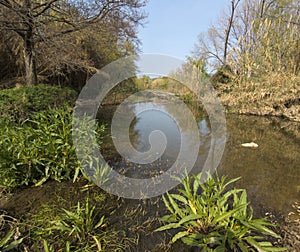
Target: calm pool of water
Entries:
(270, 172)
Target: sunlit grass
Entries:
(214, 218)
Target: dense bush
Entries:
(21, 102)
(39, 149)
(217, 219)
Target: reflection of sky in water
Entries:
(270, 173)
(203, 128)
(154, 119)
(158, 117)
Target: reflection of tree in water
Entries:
(140, 130)
(105, 115)
(270, 173)
(165, 120)
(135, 134)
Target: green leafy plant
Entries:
(83, 228)
(217, 219)
(40, 149)
(75, 224)
(48, 248)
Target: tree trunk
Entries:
(29, 50)
(228, 30)
(30, 63)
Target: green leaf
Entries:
(272, 248)
(7, 237)
(259, 227)
(231, 181)
(42, 181)
(168, 218)
(189, 218)
(168, 205)
(197, 183)
(46, 246)
(13, 245)
(179, 198)
(175, 206)
(168, 226)
(179, 236)
(227, 214)
(242, 246)
(100, 223)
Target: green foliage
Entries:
(19, 103)
(200, 65)
(40, 149)
(81, 225)
(9, 233)
(81, 228)
(121, 91)
(218, 219)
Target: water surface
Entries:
(270, 173)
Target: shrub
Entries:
(19, 103)
(215, 220)
(223, 75)
(40, 149)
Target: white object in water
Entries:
(250, 145)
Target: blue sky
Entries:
(173, 25)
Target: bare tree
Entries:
(254, 38)
(213, 46)
(234, 5)
(42, 21)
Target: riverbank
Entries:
(132, 221)
(272, 96)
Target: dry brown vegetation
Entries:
(277, 95)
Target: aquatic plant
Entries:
(214, 218)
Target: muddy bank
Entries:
(136, 220)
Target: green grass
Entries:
(81, 227)
(65, 226)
